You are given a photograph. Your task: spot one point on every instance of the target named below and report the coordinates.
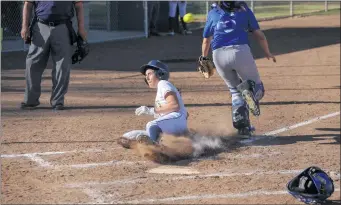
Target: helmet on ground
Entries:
(311, 186)
(161, 69)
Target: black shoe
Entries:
(246, 132)
(59, 107)
(153, 33)
(28, 106)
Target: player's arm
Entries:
(259, 35)
(205, 47)
(207, 36)
(26, 15)
(172, 104)
(80, 19)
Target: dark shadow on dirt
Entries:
(58, 142)
(329, 129)
(70, 108)
(284, 140)
(130, 55)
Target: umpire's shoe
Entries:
(58, 107)
(247, 89)
(25, 106)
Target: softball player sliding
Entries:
(226, 31)
(169, 110)
(172, 13)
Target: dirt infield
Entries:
(71, 156)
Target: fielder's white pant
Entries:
(173, 123)
(172, 8)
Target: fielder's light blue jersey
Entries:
(229, 28)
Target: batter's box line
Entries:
(246, 141)
(43, 163)
(207, 196)
(335, 174)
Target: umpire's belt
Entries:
(52, 23)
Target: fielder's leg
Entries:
(252, 93)
(246, 88)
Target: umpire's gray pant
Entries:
(45, 40)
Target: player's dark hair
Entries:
(232, 5)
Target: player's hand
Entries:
(144, 110)
(24, 33)
(269, 55)
(82, 33)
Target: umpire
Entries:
(49, 33)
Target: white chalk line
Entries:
(48, 153)
(284, 129)
(208, 196)
(38, 160)
(243, 141)
(202, 176)
(301, 124)
(96, 196)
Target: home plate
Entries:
(172, 170)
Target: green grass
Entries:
(267, 11)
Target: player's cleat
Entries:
(187, 32)
(171, 33)
(125, 142)
(144, 139)
(252, 103)
(246, 89)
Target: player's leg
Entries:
(224, 60)
(252, 87)
(129, 138)
(182, 12)
(153, 130)
(173, 124)
(171, 17)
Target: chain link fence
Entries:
(11, 19)
(112, 20)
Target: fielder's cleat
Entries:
(244, 131)
(251, 102)
(246, 89)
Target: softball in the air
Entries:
(188, 18)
